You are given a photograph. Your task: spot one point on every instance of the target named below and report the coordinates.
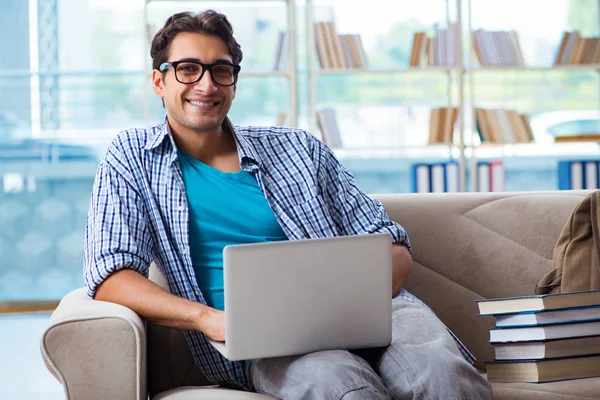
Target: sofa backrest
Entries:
(469, 246)
(466, 246)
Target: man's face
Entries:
(202, 106)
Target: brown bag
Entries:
(576, 254)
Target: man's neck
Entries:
(217, 149)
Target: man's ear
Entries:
(158, 84)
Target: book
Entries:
(578, 138)
(548, 317)
(538, 302)
(421, 178)
(571, 175)
(435, 177)
(547, 370)
(555, 348)
(557, 331)
(327, 123)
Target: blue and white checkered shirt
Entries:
(139, 213)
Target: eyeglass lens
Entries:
(188, 72)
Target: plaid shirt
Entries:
(139, 213)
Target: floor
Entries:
(23, 375)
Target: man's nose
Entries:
(206, 83)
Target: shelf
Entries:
(436, 151)
(218, 1)
(46, 170)
(536, 149)
(491, 68)
(285, 74)
(541, 68)
(347, 71)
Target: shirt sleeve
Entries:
(352, 209)
(117, 234)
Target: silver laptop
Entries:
(296, 297)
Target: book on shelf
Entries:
(544, 317)
(420, 49)
(491, 176)
(575, 49)
(327, 124)
(578, 174)
(538, 302)
(554, 348)
(441, 125)
(497, 48)
(546, 370)
(335, 51)
(502, 126)
(282, 51)
(436, 50)
(543, 332)
(281, 119)
(577, 138)
(435, 177)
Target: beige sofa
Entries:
(467, 246)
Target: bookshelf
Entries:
(318, 70)
(289, 73)
(551, 69)
(459, 80)
(509, 60)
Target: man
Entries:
(178, 192)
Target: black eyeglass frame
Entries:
(166, 65)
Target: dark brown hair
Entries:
(209, 22)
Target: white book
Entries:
(548, 317)
(327, 120)
(591, 175)
(422, 175)
(452, 177)
(536, 350)
(497, 177)
(576, 175)
(279, 51)
(483, 177)
(437, 178)
(558, 331)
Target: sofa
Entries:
(466, 246)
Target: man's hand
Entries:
(401, 266)
(212, 324)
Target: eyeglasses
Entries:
(189, 72)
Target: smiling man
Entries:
(177, 193)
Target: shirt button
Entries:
(180, 208)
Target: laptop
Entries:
(301, 296)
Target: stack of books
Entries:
(578, 174)
(544, 338)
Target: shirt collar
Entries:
(159, 136)
(246, 152)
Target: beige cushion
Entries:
(469, 246)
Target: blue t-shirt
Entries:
(224, 208)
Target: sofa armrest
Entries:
(96, 349)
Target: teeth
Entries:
(202, 104)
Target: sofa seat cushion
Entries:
(576, 389)
(208, 393)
